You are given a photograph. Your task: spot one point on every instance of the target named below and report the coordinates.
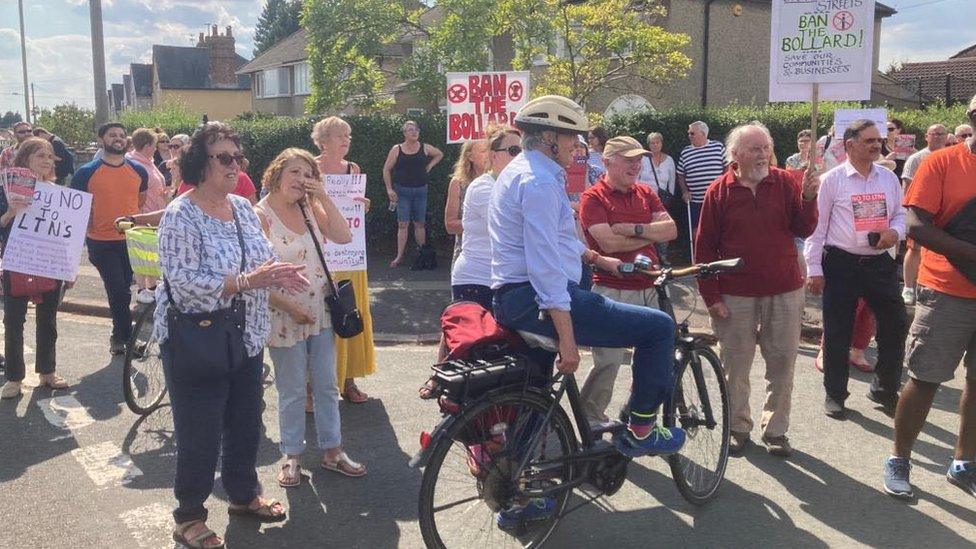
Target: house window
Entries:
(275, 82)
(302, 84)
(415, 112)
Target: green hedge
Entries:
(372, 137)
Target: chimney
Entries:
(200, 42)
(223, 58)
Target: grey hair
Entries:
(654, 135)
(962, 128)
(855, 128)
(738, 132)
(533, 141)
(701, 126)
(403, 128)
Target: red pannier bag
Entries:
(471, 331)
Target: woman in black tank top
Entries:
(406, 175)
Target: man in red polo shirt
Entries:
(754, 211)
(621, 219)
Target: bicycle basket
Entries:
(143, 246)
(464, 380)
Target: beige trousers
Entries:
(597, 390)
(774, 323)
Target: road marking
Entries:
(149, 524)
(65, 412)
(106, 464)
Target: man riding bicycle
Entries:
(536, 267)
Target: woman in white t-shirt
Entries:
(471, 275)
(660, 165)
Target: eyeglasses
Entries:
(23, 132)
(872, 140)
(226, 159)
(964, 135)
(514, 150)
(892, 128)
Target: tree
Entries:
(596, 46)
(9, 119)
(279, 19)
(74, 124)
(347, 43)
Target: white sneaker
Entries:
(145, 296)
(10, 389)
(908, 295)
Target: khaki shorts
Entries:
(943, 330)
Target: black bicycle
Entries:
(507, 442)
(143, 383)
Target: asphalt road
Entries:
(77, 469)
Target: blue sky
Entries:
(59, 48)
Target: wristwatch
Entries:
(638, 229)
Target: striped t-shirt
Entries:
(700, 166)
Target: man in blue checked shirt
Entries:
(535, 266)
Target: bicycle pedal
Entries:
(611, 426)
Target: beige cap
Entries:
(625, 146)
(972, 104)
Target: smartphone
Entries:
(873, 238)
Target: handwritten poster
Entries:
(48, 237)
(844, 117)
(344, 190)
(476, 99)
(825, 42)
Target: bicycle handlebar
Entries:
(700, 270)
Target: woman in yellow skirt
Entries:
(355, 357)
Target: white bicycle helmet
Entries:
(552, 112)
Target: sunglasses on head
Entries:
(514, 150)
(226, 159)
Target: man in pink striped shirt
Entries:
(143, 149)
(861, 216)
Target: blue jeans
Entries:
(601, 322)
(111, 258)
(215, 417)
(312, 359)
(411, 204)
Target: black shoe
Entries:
(116, 347)
(834, 409)
(888, 401)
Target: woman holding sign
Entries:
(36, 155)
(355, 357)
(296, 216)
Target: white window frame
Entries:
(281, 74)
(303, 82)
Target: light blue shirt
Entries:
(533, 231)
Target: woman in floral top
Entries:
(217, 414)
(301, 341)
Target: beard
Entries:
(757, 173)
(109, 148)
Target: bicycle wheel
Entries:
(473, 473)
(143, 383)
(700, 466)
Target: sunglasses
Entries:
(226, 159)
(964, 135)
(514, 150)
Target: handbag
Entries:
(209, 344)
(25, 285)
(667, 197)
(346, 319)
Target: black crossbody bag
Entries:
(667, 197)
(208, 345)
(346, 320)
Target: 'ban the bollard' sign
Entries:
(475, 100)
(825, 42)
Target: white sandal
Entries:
(290, 469)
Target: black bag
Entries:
(426, 259)
(207, 345)
(346, 320)
(669, 199)
(963, 226)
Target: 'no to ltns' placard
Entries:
(475, 100)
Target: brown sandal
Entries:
(429, 390)
(353, 394)
(344, 465)
(198, 541)
(265, 512)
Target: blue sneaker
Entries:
(965, 479)
(537, 509)
(660, 441)
(896, 471)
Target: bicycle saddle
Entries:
(539, 341)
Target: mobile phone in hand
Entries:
(873, 238)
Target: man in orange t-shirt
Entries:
(944, 329)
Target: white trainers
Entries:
(145, 296)
(908, 295)
(10, 389)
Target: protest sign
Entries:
(475, 100)
(904, 146)
(48, 237)
(844, 117)
(824, 42)
(343, 190)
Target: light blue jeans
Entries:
(312, 359)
